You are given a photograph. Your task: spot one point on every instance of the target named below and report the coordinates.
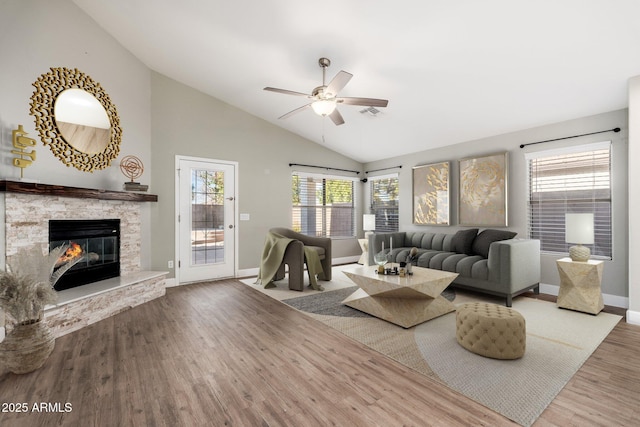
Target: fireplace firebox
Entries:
(98, 241)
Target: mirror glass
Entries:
(82, 121)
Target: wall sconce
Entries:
(579, 229)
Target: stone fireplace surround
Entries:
(27, 209)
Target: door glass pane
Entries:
(207, 216)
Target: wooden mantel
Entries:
(80, 193)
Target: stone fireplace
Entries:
(29, 210)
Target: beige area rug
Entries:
(558, 343)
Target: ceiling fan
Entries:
(325, 98)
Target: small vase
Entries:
(27, 347)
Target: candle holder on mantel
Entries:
(132, 168)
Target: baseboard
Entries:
(251, 272)
(170, 282)
(247, 272)
(612, 300)
(633, 317)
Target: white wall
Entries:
(36, 35)
(615, 278)
(633, 315)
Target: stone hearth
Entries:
(26, 210)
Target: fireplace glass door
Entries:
(97, 241)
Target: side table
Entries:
(580, 285)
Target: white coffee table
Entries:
(404, 301)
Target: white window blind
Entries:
(323, 205)
(570, 181)
(384, 202)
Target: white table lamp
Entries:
(368, 223)
(579, 230)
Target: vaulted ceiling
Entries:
(453, 71)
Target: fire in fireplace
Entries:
(97, 241)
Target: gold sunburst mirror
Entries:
(76, 119)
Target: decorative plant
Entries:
(27, 285)
(412, 258)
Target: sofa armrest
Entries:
(514, 263)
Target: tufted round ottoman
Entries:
(491, 330)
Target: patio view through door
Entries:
(206, 220)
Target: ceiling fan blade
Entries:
(338, 82)
(286, 92)
(336, 117)
(367, 102)
(296, 111)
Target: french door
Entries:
(206, 234)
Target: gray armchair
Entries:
(294, 256)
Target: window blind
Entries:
(323, 206)
(570, 182)
(384, 202)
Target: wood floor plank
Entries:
(220, 353)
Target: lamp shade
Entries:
(324, 107)
(579, 228)
(368, 222)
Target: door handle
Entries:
(230, 198)
(230, 225)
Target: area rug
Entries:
(558, 343)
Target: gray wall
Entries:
(615, 280)
(189, 123)
(36, 35)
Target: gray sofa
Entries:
(490, 262)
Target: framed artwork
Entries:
(482, 196)
(431, 194)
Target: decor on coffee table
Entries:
(491, 330)
(431, 194)
(580, 285)
(403, 300)
(26, 287)
(482, 198)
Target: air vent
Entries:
(370, 110)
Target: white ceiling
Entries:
(452, 70)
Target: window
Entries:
(384, 202)
(323, 205)
(576, 180)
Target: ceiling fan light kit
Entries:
(324, 107)
(325, 98)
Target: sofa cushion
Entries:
(426, 242)
(437, 242)
(413, 239)
(486, 237)
(463, 241)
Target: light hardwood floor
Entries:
(220, 353)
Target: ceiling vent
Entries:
(372, 111)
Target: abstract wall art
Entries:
(482, 196)
(431, 194)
